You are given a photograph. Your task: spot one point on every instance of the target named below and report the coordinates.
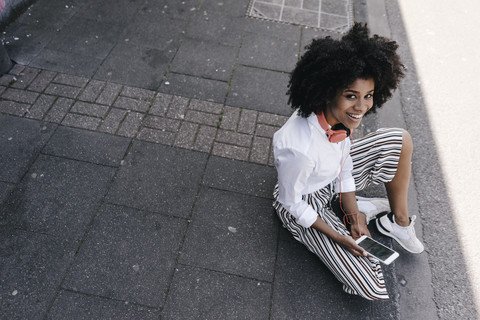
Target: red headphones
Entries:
(335, 134)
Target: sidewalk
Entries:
(137, 175)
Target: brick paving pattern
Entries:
(225, 131)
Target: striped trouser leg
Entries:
(375, 158)
(359, 275)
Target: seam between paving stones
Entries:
(224, 273)
(270, 307)
(110, 298)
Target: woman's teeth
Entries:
(355, 116)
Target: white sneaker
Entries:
(405, 236)
(371, 207)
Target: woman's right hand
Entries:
(350, 245)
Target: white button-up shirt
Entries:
(306, 162)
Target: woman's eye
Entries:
(351, 96)
(369, 96)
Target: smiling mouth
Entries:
(355, 116)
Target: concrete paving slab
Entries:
(32, 267)
(73, 305)
(136, 66)
(232, 233)
(269, 29)
(87, 146)
(20, 141)
(268, 52)
(259, 89)
(182, 10)
(71, 63)
(194, 87)
(231, 7)
(205, 59)
(5, 189)
(198, 293)
(306, 289)
(58, 196)
(109, 10)
(217, 27)
(129, 255)
(238, 176)
(159, 179)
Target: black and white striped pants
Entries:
(375, 158)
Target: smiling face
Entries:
(351, 103)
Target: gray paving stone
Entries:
(211, 295)
(239, 139)
(234, 8)
(70, 80)
(274, 29)
(160, 104)
(164, 34)
(260, 150)
(230, 118)
(264, 130)
(217, 27)
(109, 10)
(205, 59)
(41, 107)
(24, 50)
(109, 93)
(92, 91)
(194, 87)
(57, 197)
(177, 108)
(138, 93)
(159, 178)
(86, 37)
(81, 121)
(258, 89)
(135, 66)
(269, 52)
(20, 141)
(157, 136)
(305, 288)
(87, 146)
(5, 189)
(20, 95)
(25, 77)
(205, 106)
(91, 109)
(230, 151)
(202, 117)
(186, 135)
(131, 123)
(237, 176)
(179, 10)
(113, 120)
(334, 22)
(41, 82)
(59, 109)
(247, 121)
(231, 233)
(129, 255)
(131, 104)
(70, 63)
(204, 139)
(13, 108)
(7, 79)
(271, 119)
(71, 305)
(161, 123)
(33, 266)
(63, 90)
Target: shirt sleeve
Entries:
(346, 182)
(293, 169)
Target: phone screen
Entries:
(376, 249)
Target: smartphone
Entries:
(377, 250)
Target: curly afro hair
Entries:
(331, 65)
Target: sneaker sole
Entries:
(387, 233)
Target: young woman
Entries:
(333, 86)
